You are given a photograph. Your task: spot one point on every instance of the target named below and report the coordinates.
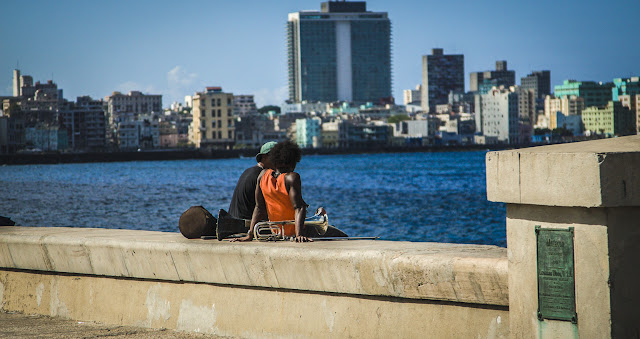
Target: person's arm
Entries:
(294, 187)
(259, 214)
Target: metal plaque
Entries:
(556, 278)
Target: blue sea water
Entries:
(437, 196)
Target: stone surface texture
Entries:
(601, 173)
(333, 289)
(435, 271)
(17, 325)
(243, 312)
(593, 187)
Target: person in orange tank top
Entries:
(279, 193)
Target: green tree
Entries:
(541, 131)
(561, 131)
(267, 108)
(397, 118)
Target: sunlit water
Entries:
(411, 196)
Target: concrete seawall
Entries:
(274, 289)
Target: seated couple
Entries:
(277, 192)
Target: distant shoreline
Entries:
(184, 154)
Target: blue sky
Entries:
(176, 48)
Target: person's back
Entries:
(277, 200)
(243, 200)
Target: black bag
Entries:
(196, 222)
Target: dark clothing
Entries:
(244, 196)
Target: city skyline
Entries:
(173, 49)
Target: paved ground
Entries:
(15, 325)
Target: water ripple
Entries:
(415, 196)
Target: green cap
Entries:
(266, 148)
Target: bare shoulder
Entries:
(292, 177)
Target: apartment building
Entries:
(213, 119)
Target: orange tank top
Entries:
(276, 197)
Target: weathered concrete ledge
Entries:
(372, 289)
(599, 173)
(590, 190)
(434, 271)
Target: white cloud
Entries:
(179, 77)
(268, 96)
(180, 83)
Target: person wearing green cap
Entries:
(243, 200)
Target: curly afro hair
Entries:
(285, 154)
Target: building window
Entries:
(213, 124)
(230, 135)
(218, 101)
(219, 135)
(213, 102)
(219, 113)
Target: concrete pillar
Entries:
(573, 237)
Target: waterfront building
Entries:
(628, 101)
(340, 53)
(40, 96)
(500, 116)
(357, 134)
(484, 81)
(213, 118)
(22, 83)
(284, 122)
(126, 107)
(412, 96)
(568, 106)
(633, 103)
(339, 108)
(123, 112)
(572, 123)
(627, 91)
(441, 74)
(413, 132)
(46, 137)
(168, 134)
(309, 132)
(532, 91)
(85, 121)
(625, 86)
(638, 113)
(378, 112)
(527, 107)
(330, 134)
(252, 131)
(594, 94)
(179, 118)
(11, 134)
(243, 104)
(16, 82)
(539, 82)
(142, 133)
(611, 120)
(304, 107)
